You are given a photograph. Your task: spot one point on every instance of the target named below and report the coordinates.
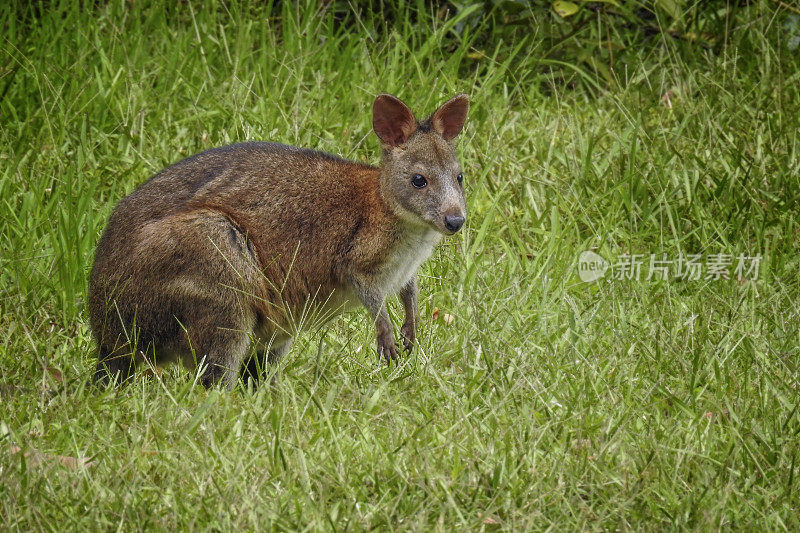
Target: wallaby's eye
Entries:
(418, 181)
(460, 178)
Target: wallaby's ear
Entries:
(392, 120)
(449, 119)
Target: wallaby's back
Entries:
(231, 170)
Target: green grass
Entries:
(545, 403)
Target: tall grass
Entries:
(541, 401)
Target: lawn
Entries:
(534, 399)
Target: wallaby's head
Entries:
(420, 174)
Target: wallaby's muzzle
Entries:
(453, 223)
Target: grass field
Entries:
(534, 400)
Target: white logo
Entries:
(591, 266)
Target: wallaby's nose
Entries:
(453, 222)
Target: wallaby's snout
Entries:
(452, 210)
(453, 223)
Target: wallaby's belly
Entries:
(313, 313)
(280, 317)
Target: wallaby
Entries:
(245, 241)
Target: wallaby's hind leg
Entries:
(190, 293)
(258, 365)
(210, 294)
(113, 367)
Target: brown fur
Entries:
(261, 239)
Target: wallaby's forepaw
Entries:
(408, 333)
(387, 348)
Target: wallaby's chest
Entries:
(403, 260)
